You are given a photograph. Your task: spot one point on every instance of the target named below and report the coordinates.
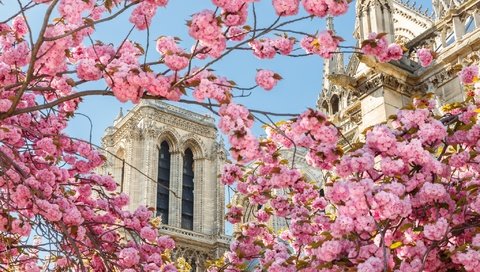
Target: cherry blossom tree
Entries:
(406, 199)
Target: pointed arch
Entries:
(195, 144)
(171, 137)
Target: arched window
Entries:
(163, 181)
(334, 101)
(187, 190)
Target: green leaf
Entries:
(396, 245)
(405, 227)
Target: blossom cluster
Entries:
(324, 45)
(377, 45)
(405, 198)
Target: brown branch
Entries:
(109, 93)
(33, 57)
(49, 39)
(27, 7)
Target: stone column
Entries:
(458, 28)
(150, 162)
(176, 176)
(132, 186)
(201, 193)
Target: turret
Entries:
(335, 64)
(374, 16)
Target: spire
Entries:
(330, 23)
(335, 64)
(119, 116)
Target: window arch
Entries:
(335, 104)
(163, 181)
(187, 190)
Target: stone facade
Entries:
(365, 92)
(133, 145)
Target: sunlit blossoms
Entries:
(404, 199)
(398, 199)
(325, 44)
(377, 45)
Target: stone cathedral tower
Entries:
(365, 92)
(168, 158)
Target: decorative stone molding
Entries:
(171, 136)
(196, 144)
(379, 80)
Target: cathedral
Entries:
(364, 92)
(169, 158)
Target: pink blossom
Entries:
(204, 27)
(5, 105)
(285, 7)
(129, 257)
(176, 62)
(468, 74)
(432, 192)
(329, 251)
(87, 70)
(236, 34)
(316, 7)
(325, 44)
(20, 26)
(372, 264)
(231, 172)
(437, 230)
(234, 214)
(394, 51)
(72, 216)
(377, 45)
(142, 15)
(167, 45)
(284, 45)
(266, 79)
(148, 233)
(263, 48)
(425, 57)
(470, 260)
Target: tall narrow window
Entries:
(187, 190)
(334, 101)
(163, 181)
